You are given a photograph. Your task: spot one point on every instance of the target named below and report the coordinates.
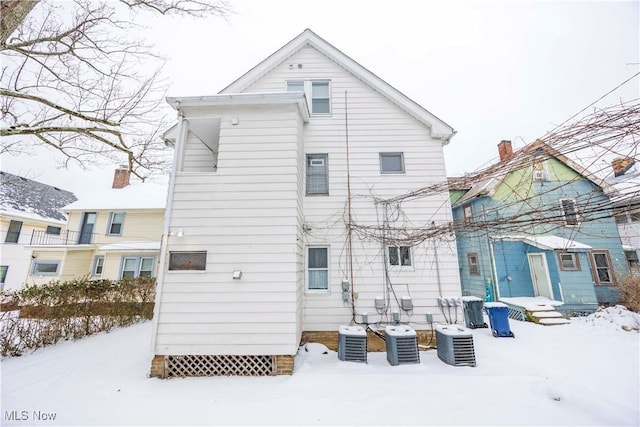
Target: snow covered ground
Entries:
(585, 373)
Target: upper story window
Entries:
(468, 214)
(569, 211)
(116, 221)
(540, 172)
(400, 255)
(391, 162)
(53, 230)
(474, 266)
(318, 91)
(317, 174)
(13, 233)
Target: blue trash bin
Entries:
(499, 319)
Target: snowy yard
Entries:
(585, 373)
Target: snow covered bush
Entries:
(74, 309)
(630, 292)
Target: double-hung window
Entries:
(318, 268)
(391, 163)
(318, 91)
(400, 255)
(602, 267)
(98, 265)
(569, 211)
(116, 221)
(317, 174)
(136, 266)
(474, 266)
(13, 233)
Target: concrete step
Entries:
(553, 321)
(546, 314)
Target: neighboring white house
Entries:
(26, 207)
(268, 178)
(625, 178)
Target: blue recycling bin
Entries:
(499, 319)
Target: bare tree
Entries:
(73, 79)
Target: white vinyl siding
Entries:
(253, 216)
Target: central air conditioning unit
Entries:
(352, 343)
(402, 345)
(455, 345)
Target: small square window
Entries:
(400, 255)
(391, 162)
(53, 230)
(187, 261)
(569, 261)
(474, 266)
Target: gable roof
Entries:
(486, 181)
(26, 198)
(439, 129)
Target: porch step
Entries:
(546, 317)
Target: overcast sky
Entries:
(492, 70)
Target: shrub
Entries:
(71, 310)
(630, 292)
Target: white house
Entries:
(625, 178)
(291, 211)
(27, 207)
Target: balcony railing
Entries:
(66, 237)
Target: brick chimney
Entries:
(121, 177)
(621, 165)
(505, 150)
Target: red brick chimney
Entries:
(505, 150)
(621, 165)
(121, 177)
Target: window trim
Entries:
(472, 271)
(138, 265)
(327, 269)
(574, 257)
(592, 259)
(9, 238)
(204, 264)
(325, 158)
(4, 270)
(468, 219)
(53, 230)
(110, 223)
(307, 89)
(96, 261)
(565, 215)
(392, 172)
(37, 262)
(400, 251)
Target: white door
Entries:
(540, 275)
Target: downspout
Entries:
(177, 159)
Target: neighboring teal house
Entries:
(536, 224)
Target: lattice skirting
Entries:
(517, 313)
(211, 366)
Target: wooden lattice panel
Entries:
(213, 366)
